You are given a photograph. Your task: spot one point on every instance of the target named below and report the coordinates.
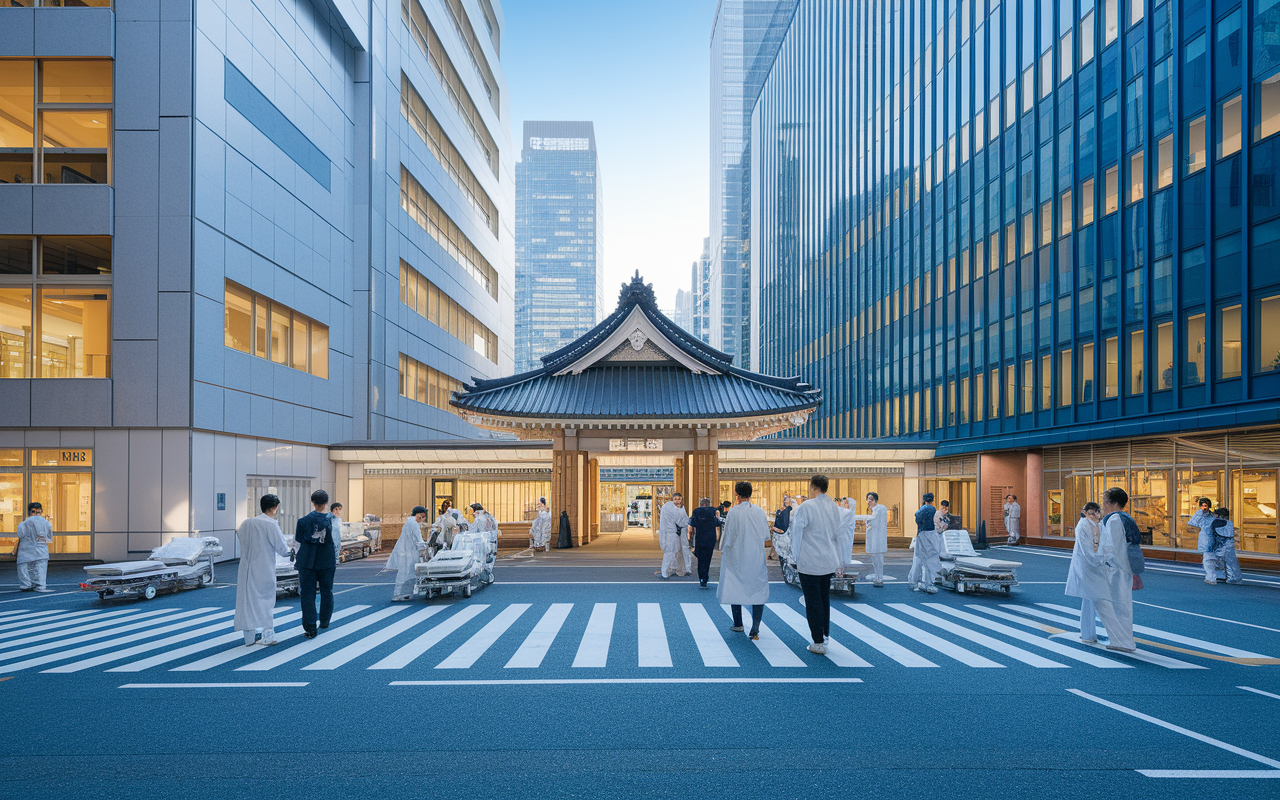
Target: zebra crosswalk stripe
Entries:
(839, 655)
(482, 640)
(406, 654)
(890, 648)
(539, 641)
(40, 618)
(1036, 641)
(1138, 655)
(771, 647)
(130, 624)
(593, 650)
(925, 637)
(191, 649)
(714, 652)
(168, 625)
(285, 655)
(651, 636)
(46, 632)
(1212, 647)
(218, 659)
(335, 660)
(147, 647)
(1016, 653)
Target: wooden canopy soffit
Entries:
(727, 430)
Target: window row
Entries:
(60, 3)
(429, 42)
(425, 384)
(54, 255)
(261, 327)
(439, 308)
(55, 120)
(462, 24)
(425, 124)
(431, 217)
(55, 331)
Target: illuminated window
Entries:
(1112, 386)
(1229, 356)
(1113, 191)
(1267, 102)
(1193, 363)
(1137, 358)
(438, 307)
(1195, 139)
(1028, 387)
(1086, 372)
(1066, 210)
(1229, 131)
(423, 384)
(1086, 203)
(1136, 166)
(1046, 223)
(70, 102)
(1266, 334)
(256, 325)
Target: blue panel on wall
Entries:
(244, 97)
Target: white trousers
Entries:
(877, 565)
(31, 574)
(1012, 526)
(1119, 624)
(1213, 569)
(688, 554)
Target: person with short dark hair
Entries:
(704, 524)
(317, 561)
(335, 511)
(926, 558)
(1224, 545)
(815, 545)
(672, 522)
(540, 529)
(877, 528)
(35, 534)
(744, 575)
(1012, 518)
(260, 540)
(1089, 578)
(1117, 613)
(406, 555)
(942, 518)
(1202, 520)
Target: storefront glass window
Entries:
(15, 332)
(1254, 509)
(1149, 504)
(75, 332)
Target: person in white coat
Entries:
(816, 543)
(876, 524)
(1117, 613)
(673, 521)
(540, 530)
(1012, 518)
(1089, 577)
(335, 511)
(261, 540)
(406, 554)
(744, 575)
(35, 534)
(926, 558)
(1202, 520)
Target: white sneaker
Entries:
(820, 649)
(43, 589)
(931, 589)
(267, 642)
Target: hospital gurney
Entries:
(355, 542)
(464, 567)
(844, 583)
(185, 563)
(287, 577)
(963, 569)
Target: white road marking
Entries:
(97, 623)
(1138, 655)
(839, 655)
(538, 642)
(925, 638)
(207, 644)
(885, 645)
(593, 650)
(769, 645)
(34, 595)
(1017, 653)
(186, 621)
(402, 657)
(1172, 637)
(471, 650)
(153, 618)
(1037, 641)
(1206, 616)
(211, 685)
(1234, 774)
(147, 647)
(1259, 691)
(651, 636)
(588, 681)
(1200, 737)
(41, 617)
(711, 646)
(355, 649)
(218, 659)
(284, 656)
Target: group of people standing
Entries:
(1106, 568)
(412, 547)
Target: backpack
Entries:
(1132, 538)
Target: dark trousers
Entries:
(757, 611)
(817, 604)
(703, 552)
(308, 581)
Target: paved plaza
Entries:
(579, 675)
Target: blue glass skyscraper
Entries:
(559, 263)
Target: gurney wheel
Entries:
(206, 579)
(1008, 590)
(466, 590)
(960, 588)
(149, 592)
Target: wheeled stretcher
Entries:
(287, 577)
(964, 570)
(464, 567)
(839, 583)
(355, 543)
(185, 563)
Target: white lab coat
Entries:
(337, 537)
(673, 520)
(848, 526)
(816, 538)
(261, 540)
(878, 530)
(1204, 521)
(486, 524)
(1089, 576)
(1116, 611)
(744, 575)
(1013, 520)
(406, 553)
(540, 530)
(35, 534)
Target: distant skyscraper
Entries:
(559, 265)
(700, 288)
(683, 315)
(744, 41)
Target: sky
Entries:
(640, 72)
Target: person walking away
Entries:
(540, 530)
(744, 574)
(1117, 613)
(261, 540)
(703, 523)
(877, 528)
(35, 534)
(781, 520)
(1089, 577)
(335, 511)
(815, 546)
(406, 554)
(926, 559)
(672, 521)
(1224, 539)
(1202, 521)
(316, 563)
(1012, 518)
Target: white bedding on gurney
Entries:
(187, 550)
(129, 569)
(958, 547)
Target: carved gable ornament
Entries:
(638, 338)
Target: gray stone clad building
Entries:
(233, 232)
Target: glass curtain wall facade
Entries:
(744, 40)
(559, 219)
(1030, 223)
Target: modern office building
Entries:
(682, 314)
(744, 38)
(700, 291)
(559, 226)
(232, 235)
(1042, 237)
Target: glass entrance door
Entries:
(441, 491)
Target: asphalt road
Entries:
(577, 676)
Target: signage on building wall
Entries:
(634, 445)
(74, 458)
(222, 501)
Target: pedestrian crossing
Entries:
(582, 638)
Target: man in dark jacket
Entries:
(703, 522)
(316, 563)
